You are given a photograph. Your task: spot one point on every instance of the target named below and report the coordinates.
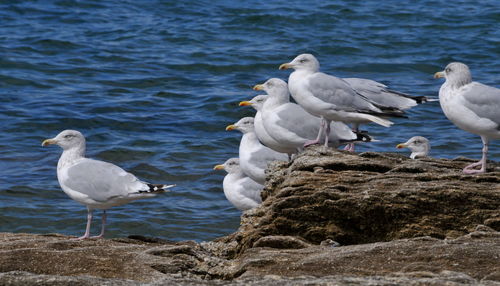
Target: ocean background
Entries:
(152, 85)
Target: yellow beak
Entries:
(285, 66)
(399, 146)
(245, 103)
(258, 87)
(439, 74)
(219, 167)
(48, 142)
(231, 127)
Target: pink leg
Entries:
(327, 131)
(316, 141)
(103, 226)
(469, 169)
(349, 147)
(87, 229)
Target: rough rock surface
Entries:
(354, 199)
(328, 217)
(28, 259)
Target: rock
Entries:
(282, 242)
(30, 259)
(355, 199)
(328, 217)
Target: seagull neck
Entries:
(457, 83)
(275, 101)
(70, 155)
(302, 73)
(251, 136)
(418, 154)
(238, 174)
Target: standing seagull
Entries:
(254, 156)
(472, 106)
(96, 184)
(240, 190)
(291, 125)
(331, 98)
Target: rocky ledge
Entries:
(329, 217)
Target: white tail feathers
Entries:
(378, 120)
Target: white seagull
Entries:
(419, 146)
(267, 140)
(332, 98)
(96, 184)
(254, 156)
(292, 126)
(472, 106)
(240, 190)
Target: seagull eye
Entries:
(303, 60)
(447, 70)
(69, 136)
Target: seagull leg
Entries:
(316, 141)
(469, 169)
(87, 229)
(103, 226)
(327, 131)
(350, 147)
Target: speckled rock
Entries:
(354, 199)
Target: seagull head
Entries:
(275, 88)
(231, 166)
(302, 62)
(419, 146)
(257, 102)
(67, 139)
(456, 74)
(245, 125)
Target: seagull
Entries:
(380, 94)
(267, 140)
(292, 126)
(472, 106)
(254, 156)
(240, 190)
(332, 98)
(419, 146)
(96, 184)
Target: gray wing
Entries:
(339, 93)
(252, 189)
(380, 94)
(298, 122)
(101, 181)
(484, 100)
(265, 155)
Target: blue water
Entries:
(152, 84)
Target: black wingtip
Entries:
(363, 136)
(418, 99)
(157, 188)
